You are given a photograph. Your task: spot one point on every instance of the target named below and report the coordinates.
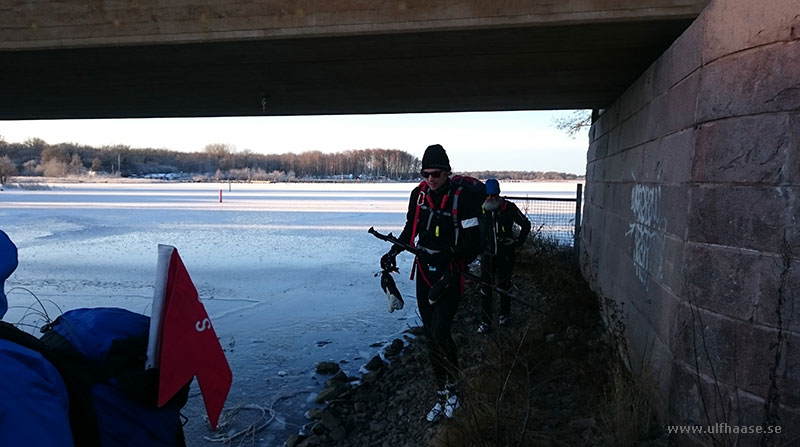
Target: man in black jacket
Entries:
(443, 219)
(497, 261)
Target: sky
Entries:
(514, 141)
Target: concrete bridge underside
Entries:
(142, 59)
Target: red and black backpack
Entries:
(458, 183)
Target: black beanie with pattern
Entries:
(435, 158)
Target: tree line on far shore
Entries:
(222, 162)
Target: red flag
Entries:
(189, 346)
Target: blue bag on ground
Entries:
(32, 394)
(102, 353)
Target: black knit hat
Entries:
(435, 158)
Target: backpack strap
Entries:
(421, 196)
(78, 376)
(17, 336)
(418, 265)
(455, 211)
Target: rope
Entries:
(30, 310)
(229, 416)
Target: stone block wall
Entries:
(691, 221)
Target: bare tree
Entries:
(218, 150)
(30, 167)
(54, 168)
(76, 166)
(575, 122)
(7, 169)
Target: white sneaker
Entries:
(504, 320)
(439, 410)
(436, 413)
(451, 404)
(483, 328)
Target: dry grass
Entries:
(500, 393)
(626, 411)
(554, 378)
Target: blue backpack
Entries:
(32, 394)
(101, 353)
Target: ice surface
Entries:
(285, 272)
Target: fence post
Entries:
(578, 205)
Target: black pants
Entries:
(437, 321)
(496, 270)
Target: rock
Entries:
(319, 428)
(367, 396)
(339, 377)
(377, 426)
(371, 377)
(582, 424)
(294, 440)
(339, 434)
(375, 364)
(327, 368)
(415, 330)
(313, 441)
(332, 392)
(395, 347)
(315, 413)
(330, 420)
(571, 333)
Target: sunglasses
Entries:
(434, 174)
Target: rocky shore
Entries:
(556, 348)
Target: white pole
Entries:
(162, 272)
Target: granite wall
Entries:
(691, 216)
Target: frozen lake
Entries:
(285, 271)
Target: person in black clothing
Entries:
(497, 261)
(444, 220)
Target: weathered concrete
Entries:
(147, 58)
(703, 253)
(56, 24)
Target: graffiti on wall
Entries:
(648, 232)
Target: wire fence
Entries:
(555, 219)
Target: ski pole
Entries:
(421, 253)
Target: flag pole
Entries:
(154, 338)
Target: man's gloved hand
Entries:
(508, 242)
(440, 288)
(389, 260)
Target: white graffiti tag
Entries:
(648, 232)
